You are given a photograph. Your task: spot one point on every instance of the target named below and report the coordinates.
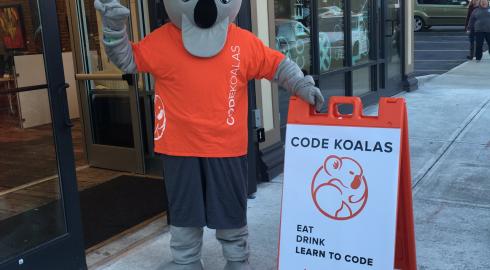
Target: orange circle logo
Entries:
(339, 188)
(160, 118)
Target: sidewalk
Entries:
(449, 118)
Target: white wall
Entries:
(34, 105)
(266, 86)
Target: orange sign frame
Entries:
(392, 114)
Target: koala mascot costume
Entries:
(201, 63)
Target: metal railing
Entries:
(8, 91)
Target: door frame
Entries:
(66, 251)
(98, 155)
(391, 87)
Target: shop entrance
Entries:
(50, 211)
(40, 226)
(112, 103)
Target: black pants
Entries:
(480, 37)
(208, 192)
(471, 37)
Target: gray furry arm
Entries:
(116, 41)
(119, 50)
(290, 77)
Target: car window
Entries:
(301, 30)
(286, 32)
(457, 3)
(359, 22)
(440, 2)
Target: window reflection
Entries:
(331, 34)
(293, 34)
(360, 31)
(361, 79)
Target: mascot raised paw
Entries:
(201, 62)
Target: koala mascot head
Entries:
(204, 23)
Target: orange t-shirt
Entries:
(201, 104)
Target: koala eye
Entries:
(226, 1)
(185, 1)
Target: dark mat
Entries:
(115, 206)
(30, 229)
(107, 210)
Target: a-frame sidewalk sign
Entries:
(347, 194)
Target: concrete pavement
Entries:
(449, 119)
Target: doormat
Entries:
(119, 204)
(107, 210)
(31, 228)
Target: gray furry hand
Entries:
(291, 78)
(114, 15)
(306, 90)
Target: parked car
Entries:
(331, 26)
(327, 12)
(430, 13)
(294, 40)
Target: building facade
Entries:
(351, 48)
(63, 78)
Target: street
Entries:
(440, 49)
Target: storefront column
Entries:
(410, 83)
(271, 151)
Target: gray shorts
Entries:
(208, 192)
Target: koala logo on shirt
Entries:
(339, 188)
(160, 118)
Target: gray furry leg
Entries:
(235, 248)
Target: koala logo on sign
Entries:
(339, 188)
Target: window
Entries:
(293, 34)
(360, 31)
(361, 81)
(331, 35)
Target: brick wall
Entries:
(63, 24)
(31, 23)
(92, 26)
(33, 41)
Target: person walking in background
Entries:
(471, 34)
(480, 24)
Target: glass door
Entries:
(40, 225)
(392, 47)
(109, 99)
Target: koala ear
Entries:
(332, 165)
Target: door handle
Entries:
(93, 77)
(105, 77)
(66, 113)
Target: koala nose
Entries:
(205, 13)
(356, 183)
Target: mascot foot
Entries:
(244, 265)
(192, 266)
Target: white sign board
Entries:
(339, 198)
